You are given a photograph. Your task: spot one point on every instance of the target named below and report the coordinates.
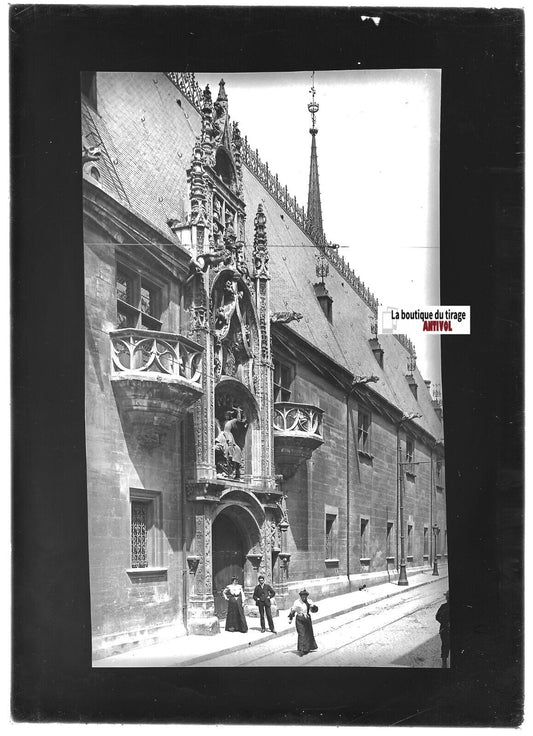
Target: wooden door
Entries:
(228, 560)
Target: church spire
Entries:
(314, 207)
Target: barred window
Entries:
(139, 533)
(426, 541)
(409, 540)
(145, 525)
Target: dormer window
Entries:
(324, 299)
(377, 350)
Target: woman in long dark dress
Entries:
(302, 608)
(235, 619)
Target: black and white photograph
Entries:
(247, 423)
(267, 365)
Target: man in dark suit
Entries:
(262, 595)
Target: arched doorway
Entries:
(228, 559)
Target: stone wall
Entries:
(134, 605)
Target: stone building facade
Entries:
(243, 415)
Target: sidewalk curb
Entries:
(290, 630)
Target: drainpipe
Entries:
(181, 506)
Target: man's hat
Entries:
(304, 592)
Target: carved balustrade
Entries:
(297, 434)
(159, 373)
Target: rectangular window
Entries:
(330, 551)
(138, 301)
(410, 467)
(282, 381)
(426, 541)
(439, 476)
(141, 528)
(390, 527)
(144, 528)
(409, 450)
(410, 540)
(363, 431)
(365, 554)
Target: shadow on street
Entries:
(426, 655)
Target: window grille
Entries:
(139, 534)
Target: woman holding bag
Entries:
(302, 608)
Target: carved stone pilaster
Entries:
(197, 186)
(260, 251)
(202, 619)
(263, 365)
(237, 155)
(207, 124)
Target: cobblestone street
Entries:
(396, 632)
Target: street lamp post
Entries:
(436, 532)
(402, 579)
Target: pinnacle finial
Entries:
(314, 206)
(313, 107)
(222, 91)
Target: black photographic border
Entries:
(481, 54)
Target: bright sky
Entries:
(378, 157)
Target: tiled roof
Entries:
(149, 129)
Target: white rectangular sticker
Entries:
(424, 320)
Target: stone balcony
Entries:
(156, 376)
(297, 434)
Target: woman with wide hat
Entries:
(302, 609)
(235, 619)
